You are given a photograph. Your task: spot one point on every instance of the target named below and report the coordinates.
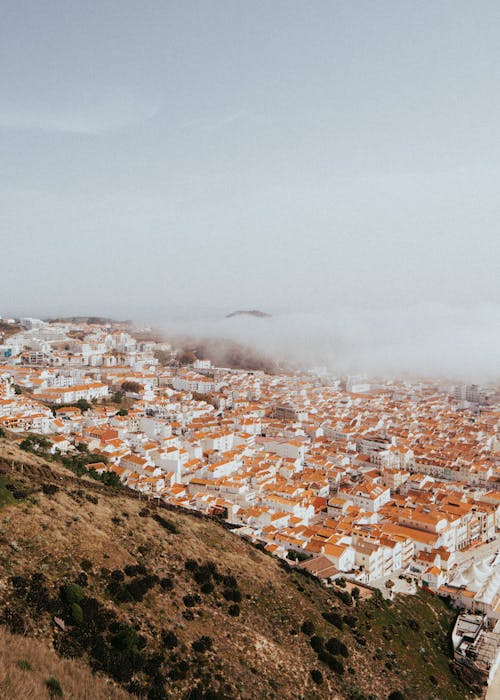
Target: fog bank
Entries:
(431, 340)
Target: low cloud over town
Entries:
(420, 340)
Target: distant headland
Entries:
(252, 312)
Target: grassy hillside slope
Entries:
(169, 605)
(31, 669)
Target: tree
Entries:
(122, 412)
(133, 387)
(355, 593)
(35, 443)
(186, 357)
(296, 556)
(83, 405)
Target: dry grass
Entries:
(28, 663)
(260, 653)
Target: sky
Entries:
(174, 158)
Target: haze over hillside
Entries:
(417, 340)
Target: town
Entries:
(386, 484)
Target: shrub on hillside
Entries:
(232, 594)
(54, 687)
(191, 600)
(331, 661)
(230, 581)
(317, 676)
(333, 618)
(167, 583)
(76, 614)
(125, 639)
(307, 627)
(139, 586)
(202, 644)
(71, 593)
(350, 620)
(166, 524)
(82, 579)
(135, 569)
(316, 643)
(336, 647)
(344, 596)
(169, 640)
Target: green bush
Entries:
(35, 443)
(167, 524)
(350, 620)
(229, 581)
(76, 614)
(54, 687)
(334, 619)
(307, 627)
(344, 596)
(331, 661)
(316, 643)
(202, 644)
(125, 639)
(167, 583)
(232, 594)
(72, 593)
(24, 665)
(169, 639)
(317, 676)
(191, 600)
(335, 647)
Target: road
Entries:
(484, 551)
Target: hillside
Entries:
(167, 604)
(224, 352)
(46, 670)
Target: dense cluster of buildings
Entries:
(372, 481)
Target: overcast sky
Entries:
(164, 156)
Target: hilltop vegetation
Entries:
(165, 604)
(253, 312)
